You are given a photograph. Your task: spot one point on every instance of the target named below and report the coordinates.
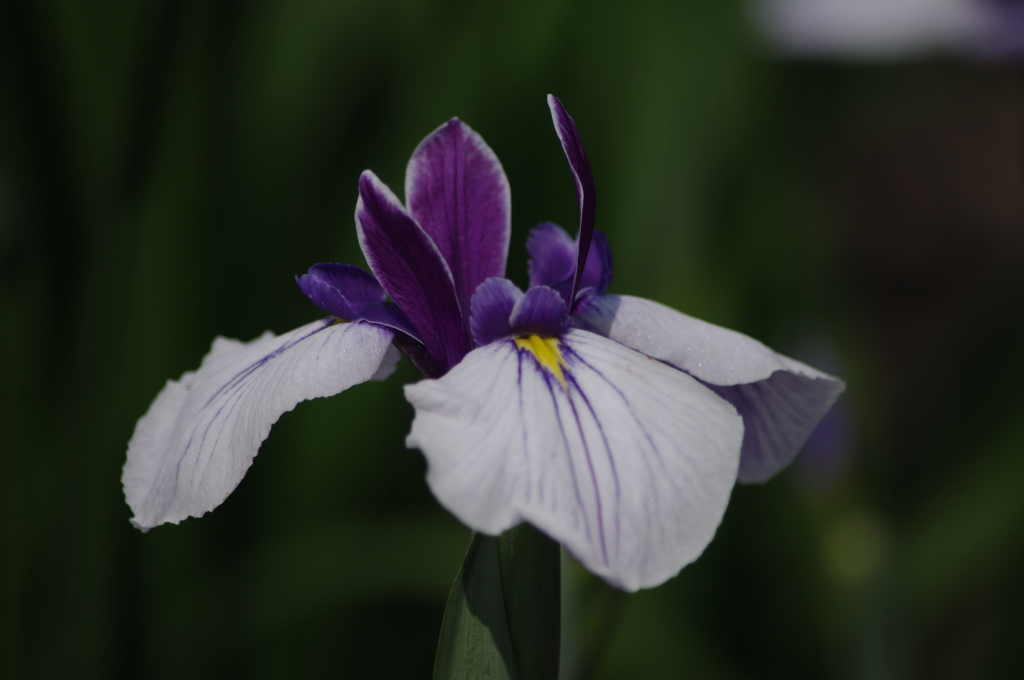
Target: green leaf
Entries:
(504, 613)
(475, 642)
(531, 582)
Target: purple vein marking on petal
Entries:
(586, 193)
(412, 270)
(234, 384)
(522, 410)
(241, 375)
(593, 477)
(548, 380)
(565, 438)
(611, 459)
(457, 191)
(570, 354)
(648, 518)
(654, 448)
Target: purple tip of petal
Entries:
(491, 310)
(341, 290)
(457, 191)
(586, 193)
(542, 311)
(411, 269)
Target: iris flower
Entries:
(614, 424)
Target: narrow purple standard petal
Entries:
(586, 194)
(492, 308)
(457, 191)
(412, 270)
(542, 311)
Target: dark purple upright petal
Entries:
(552, 255)
(456, 189)
(492, 308)
(586, 194)
(412, 271)
(541, 310)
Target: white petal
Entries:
(630, 464)
(781, 399)
(195, 443)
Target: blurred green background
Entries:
(166, 168)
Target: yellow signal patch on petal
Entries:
(546, 352)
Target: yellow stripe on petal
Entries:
(546, 352)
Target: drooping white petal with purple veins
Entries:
(781, 399)
(199, 437)
(626, 461)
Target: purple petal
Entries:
(540, 311)
(412, 271)
(586, 193)
(351, 293)
(457, 190)
(492, 308)
(597, 273)
(341, 290)
(388, 314)
(553, 262)
(552, 255)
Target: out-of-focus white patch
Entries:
(870, 29)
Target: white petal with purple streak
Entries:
(629, 463)
(199, 437)
(781, 399)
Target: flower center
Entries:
(546, 352)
